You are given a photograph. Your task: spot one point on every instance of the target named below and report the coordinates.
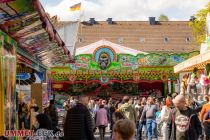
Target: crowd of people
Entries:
(30, 119)
(176, 117)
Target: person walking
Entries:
(79, 122)
(101, 120)
(128, 110)
(183, 123)
(205, 119)
(150, 113)
(166, 109)
(143, 123)
(31, 112)
(22, 115)
(43, 124)
(115, 117)
(111, 111)
(51, 112)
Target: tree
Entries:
(199, 24)
(163, 17)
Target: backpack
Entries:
(207, 115)
(158, 117)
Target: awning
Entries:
(199, 61)
(27, 22)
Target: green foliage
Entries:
(163, 17)
(94, 65)
(114, 65)
(199, 24)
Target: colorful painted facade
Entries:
(105, 67)
(8, 95)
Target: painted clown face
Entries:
(182, 123)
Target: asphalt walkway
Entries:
(107, 136)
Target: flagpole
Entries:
(81, 14)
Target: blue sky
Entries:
(125, 9)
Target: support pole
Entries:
(1, 89)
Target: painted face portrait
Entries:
(103, 60)
(182, 123)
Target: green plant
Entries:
(199, 24)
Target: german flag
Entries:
(75, 7)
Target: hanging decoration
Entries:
(136, 77)
(72, 78)
(104, 79)
(164, 77)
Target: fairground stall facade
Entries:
(124, 57)
(29, 45)
(108, 69)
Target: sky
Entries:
(124, 10)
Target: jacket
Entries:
(41, 134)
(79, 124)
(53, 115)
(204, 110)
(128, 111)
(149, 112)
(194, 131)
(101, 117)
(165, 114)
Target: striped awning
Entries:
(199, 61)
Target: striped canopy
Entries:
(119, 49)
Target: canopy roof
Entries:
(27, 22)
(119, 49)
(199, 61)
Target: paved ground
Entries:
(107, 136)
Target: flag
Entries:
(75, 7)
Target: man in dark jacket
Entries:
(79, 123)
(52, 113)
(183, 123)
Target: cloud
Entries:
(127, 9)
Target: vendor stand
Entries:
(198, 65)
(31, 41)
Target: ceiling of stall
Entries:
(27, 22)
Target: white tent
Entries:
(119, 49)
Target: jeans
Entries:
(137, 127)
(140, 127)
(151, 128)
